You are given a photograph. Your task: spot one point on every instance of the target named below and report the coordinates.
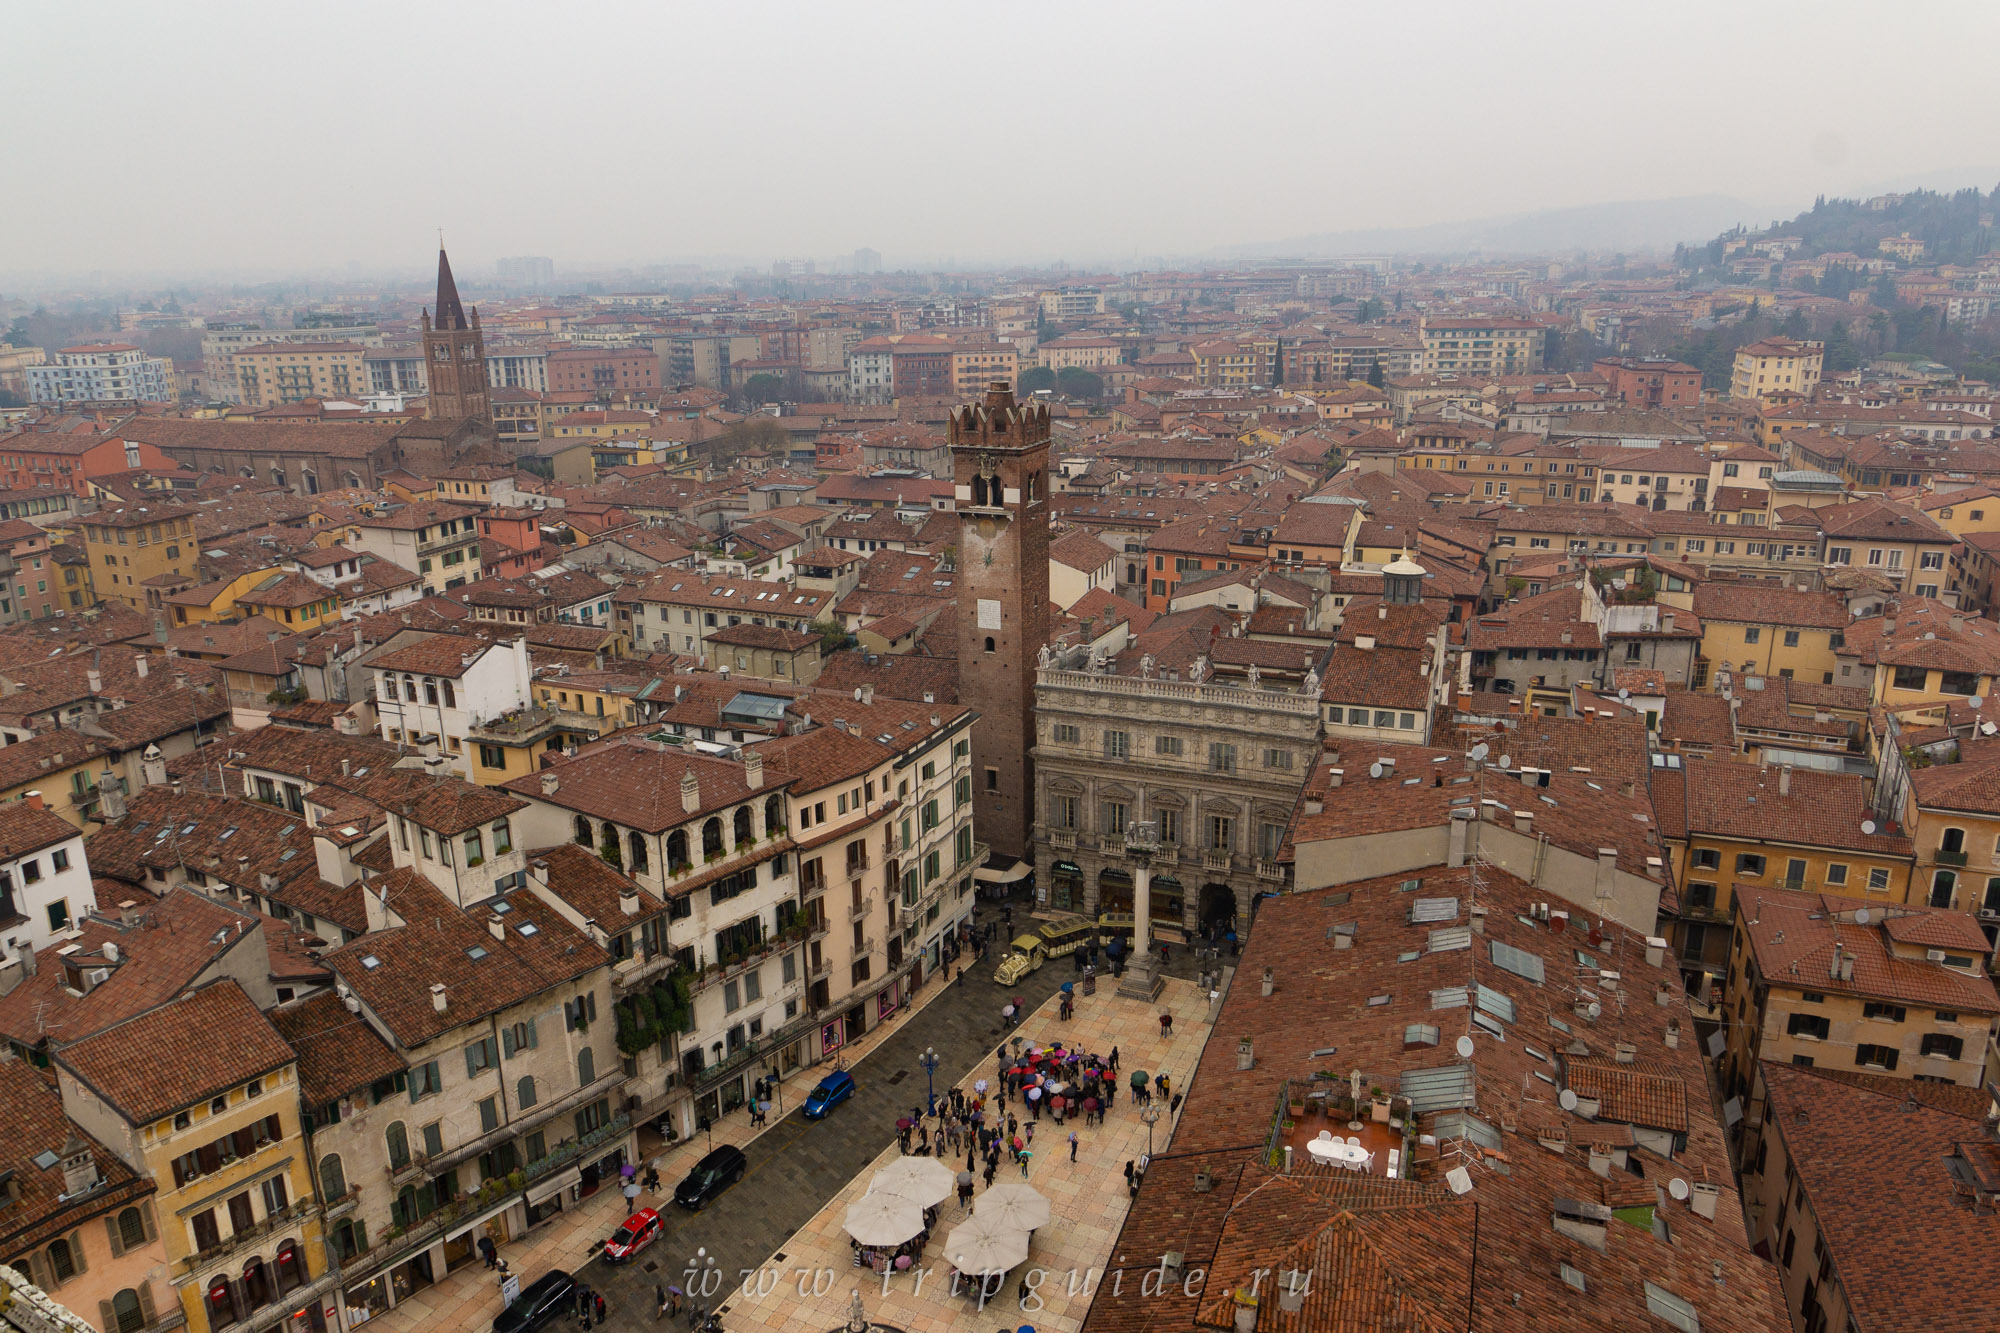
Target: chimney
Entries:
(753, 769)
(1460, 835)
(438, 1001)
(96, 679)
(1246, 1058)
(690, 792)
(1270, 982)
(35, 801)
(628, 901)
(1600, 1159)
(1667, 623)
(1784, 780)
(1847, 967)
(1382, 611)
(1656, 950)
(1607, 870)
(80, 1175)
(496, 928)
(868, 692)
(110, 951)
(140, 665)
(1524, 822)
(549, 784)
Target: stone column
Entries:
(1141, 980)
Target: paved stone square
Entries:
(1088, 1199)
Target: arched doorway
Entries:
(1218, 908)
(1114, 891)
(1066, 886)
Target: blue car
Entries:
(834, 1089)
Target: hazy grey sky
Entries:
(305, 137)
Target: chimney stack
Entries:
(140, 666)
(35, 801)
(690, 792)
(496, 928)
(1784, 780)
(753, 769)
(438, 1001)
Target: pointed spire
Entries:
(450, 314)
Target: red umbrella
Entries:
(905, 1123)
(1090, 1103)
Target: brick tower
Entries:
(1000, 471)
(456, 355)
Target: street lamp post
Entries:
(929, 1061)
(1151, 1115)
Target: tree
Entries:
(1840, 354)
(756, 431)
(762, 388)
(1079, 383)
(1794, 325)
(17, 334)
(1036, 379)
(1375, 376)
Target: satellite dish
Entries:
(1566, 1099)
(1506, 761)
(1480, 751)
(1595, 1010)
(1678, 1188)
(1375, 771)
(1464, 1048)
(1624, 693)
(1867, 826)
(1860, 916)
(1459, 1179)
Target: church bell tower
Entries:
(1000, 467)
(455, 356)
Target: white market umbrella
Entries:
(1013, 1205)
(923, 1180)
(883, 1219)
(978, 1246)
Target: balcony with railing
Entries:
(1945, 858)
(812, 886)
(1216, 861)
(1270, 870)
(859, 911)
(282, 1220)
(722, 970)
(1063, 839)
(749, 1053)
(818, 971)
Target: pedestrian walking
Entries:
(1023, 1157)
(1112, 1060)
(1175, 1104)
(1128, 1171)
(597, 1302)
(1072, 1147)
(660, 1295)
(488, 1252)
(1031, 1131)
(1166, 1025)
(583, 1301)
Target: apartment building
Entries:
(1761, 629)
(1732, 827)
(492, 1081)
(676, 610)
(1896, 542)
(1842, 983)
(79, 1221)
(974, 366)
(432, 694)
(1649, 383)
(439, 540)
(222, 1140)
(1776, 367)
(45, 883)
(1835, 1163)
(709, 837)
(271, 373)
(1482, 346)
(220, 343)
(102, 373)
(130, 545)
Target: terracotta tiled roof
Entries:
(1769, 604)
(1638, 1093)
(140, 1067)
(637, 783)
(1797, 937)
(338, 1053)
(35, 1124)
(24, 829)
(439, 943)
(1728, 799)
(1871, 1163)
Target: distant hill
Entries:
(1955, 228)
(1632, 225)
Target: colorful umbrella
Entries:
(1034, 1094)
(905, 1123)
(1139, 1078)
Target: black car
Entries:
(711, 1175)
(541, 1302)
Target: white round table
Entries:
(1337, 1152)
